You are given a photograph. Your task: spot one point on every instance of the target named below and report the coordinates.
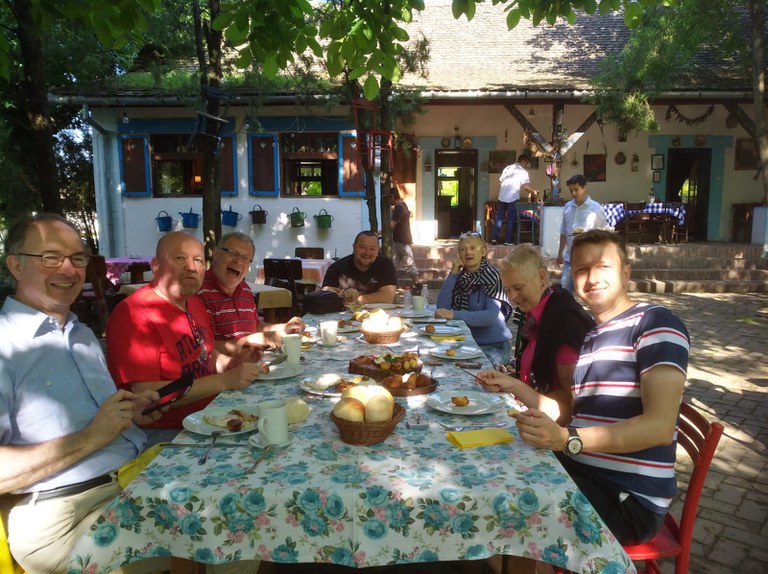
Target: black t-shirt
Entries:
(401, 233)
(343, 274)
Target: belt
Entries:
(70, 490)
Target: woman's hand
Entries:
(456, 266)
(444, 314)
(496, 382)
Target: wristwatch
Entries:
(573, 444)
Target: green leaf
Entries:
(235, 34)
(357, 73)
(270, 67)
(416, 5)
(334, 63)
(371, 87)
(633, 15)
(513, 18)
(590, 6)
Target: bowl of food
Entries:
(409, 384)
(366, 415)
(381, 329)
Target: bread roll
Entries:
(380, 405)
(350, 409)
(298, 410)
(359, 392)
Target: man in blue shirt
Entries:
(64, 431)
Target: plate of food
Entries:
(332, 385)
(282, 370)
(385, 306)
(466, 402)
(227, 419)
(409, 384)
(432, 329)
(347, 326)
(455, 352)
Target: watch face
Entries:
(574, 445)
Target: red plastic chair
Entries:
(699, 438)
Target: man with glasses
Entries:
(162, 332)
(230, 302)
(64, 431)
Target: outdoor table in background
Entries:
(616, 212)
(413, 498)
(311, 270)
(270, 299)
(116, 266)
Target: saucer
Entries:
(254, 440)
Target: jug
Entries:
(297, 217)
(323, 219)
(258, 215)
(230, 217)
(164, 222)
(190, 220)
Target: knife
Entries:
(203, 444)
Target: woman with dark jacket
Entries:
(554, 329)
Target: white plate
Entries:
(304, 385)
(461, 354)
(195, 423)
(441, 330)
(370, 306)
(254, 440)
(479, 403)
(413, 314)
(282, 371)
(429, 320)
(349, 329)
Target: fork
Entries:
(457, 428)
(256, 462)
(214, 435)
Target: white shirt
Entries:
(512, 179)
(588, 215)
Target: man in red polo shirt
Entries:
(230, 303)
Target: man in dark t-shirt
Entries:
(401, 236)
(364, 276)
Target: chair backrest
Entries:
(283, 269)
(699, 438)
(310, 252)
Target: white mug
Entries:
(418, 304)
(273, 423)
(292, 347)
(328, 331)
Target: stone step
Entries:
(678, 286)
(693, 275)
(698, 263)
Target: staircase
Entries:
(682, 268)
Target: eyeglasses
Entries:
(235, 254)
(470, 234)
(52, 261)
(199, 340)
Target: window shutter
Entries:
(262, 165)
(134, 165)
(351, 175)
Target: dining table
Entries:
(312, 270)
(116, 266)
(617, 212)
(415, 497)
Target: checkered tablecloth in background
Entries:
(615, 212)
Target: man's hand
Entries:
(141, 401)
(242, 375)
(350, 295)
(560, 260)
(295, 325)
(115, 415)
(538, 430)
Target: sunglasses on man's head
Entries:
(470, 234)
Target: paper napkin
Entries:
(443, 338)
(481, 437)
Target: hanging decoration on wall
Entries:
(672, 110)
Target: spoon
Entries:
(458, 428)
(264, 454)
(214, 436)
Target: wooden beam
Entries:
(575, 136)
(538, 139)
(744, 120)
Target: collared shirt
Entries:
(512, 179)
(52, 382)
(588, 215)
(232, 316)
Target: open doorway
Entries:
(455, 192)
(688, 180)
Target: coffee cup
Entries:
(418, 304)
(292, 347)
(328, 330)
(273, 423)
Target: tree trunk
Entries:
(37, 113)
(386, 171)
(757, 9)
(208, 47)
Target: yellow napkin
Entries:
(481, 437)
(131, 469)
(443, 338)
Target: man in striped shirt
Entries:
(627, 388)
(230, 303)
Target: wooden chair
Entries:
(91, 306)
(287, 273)
(526, 226)
(137, 269)
(637, 227)
(699, 438)
(678, 233)
(310, 252)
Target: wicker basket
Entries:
(383, 337)
(364, 434)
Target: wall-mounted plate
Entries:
(467, 143)
(446, 142)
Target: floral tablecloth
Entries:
(413, 498)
